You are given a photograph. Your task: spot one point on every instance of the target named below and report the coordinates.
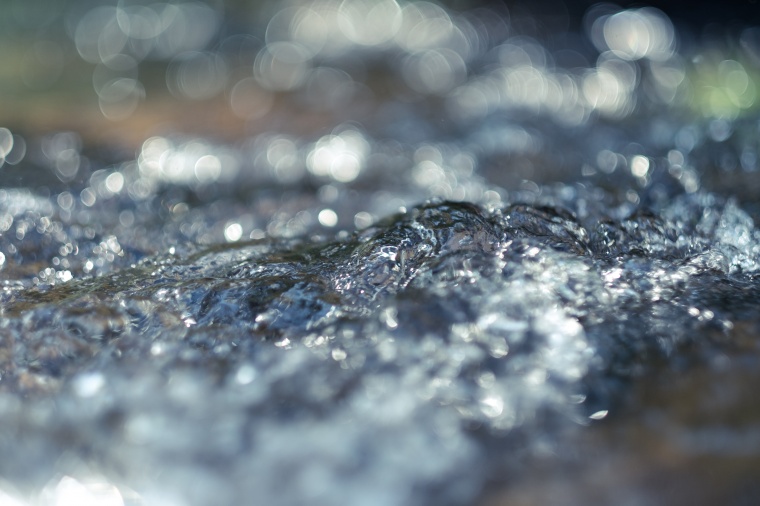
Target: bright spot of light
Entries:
(193, 162)
(492, 406)
(370, 22)
(339, 156)
(609, 87)
(71, 492)
(8, 500)
(639, 33)
(115, 182)
(599, 415)
(233, 232)
(88, 384)
(639, 166)
(327, 218)
(246, 374)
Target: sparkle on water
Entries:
(399, 310)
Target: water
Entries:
(493, 278)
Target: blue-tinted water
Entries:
(501, 267)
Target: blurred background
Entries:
(121, 71)
(87, 83)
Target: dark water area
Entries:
(373, 253)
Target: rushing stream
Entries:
(527, 271)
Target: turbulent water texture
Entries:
(395, 364)
(498, 260)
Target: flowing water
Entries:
(530, 273)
